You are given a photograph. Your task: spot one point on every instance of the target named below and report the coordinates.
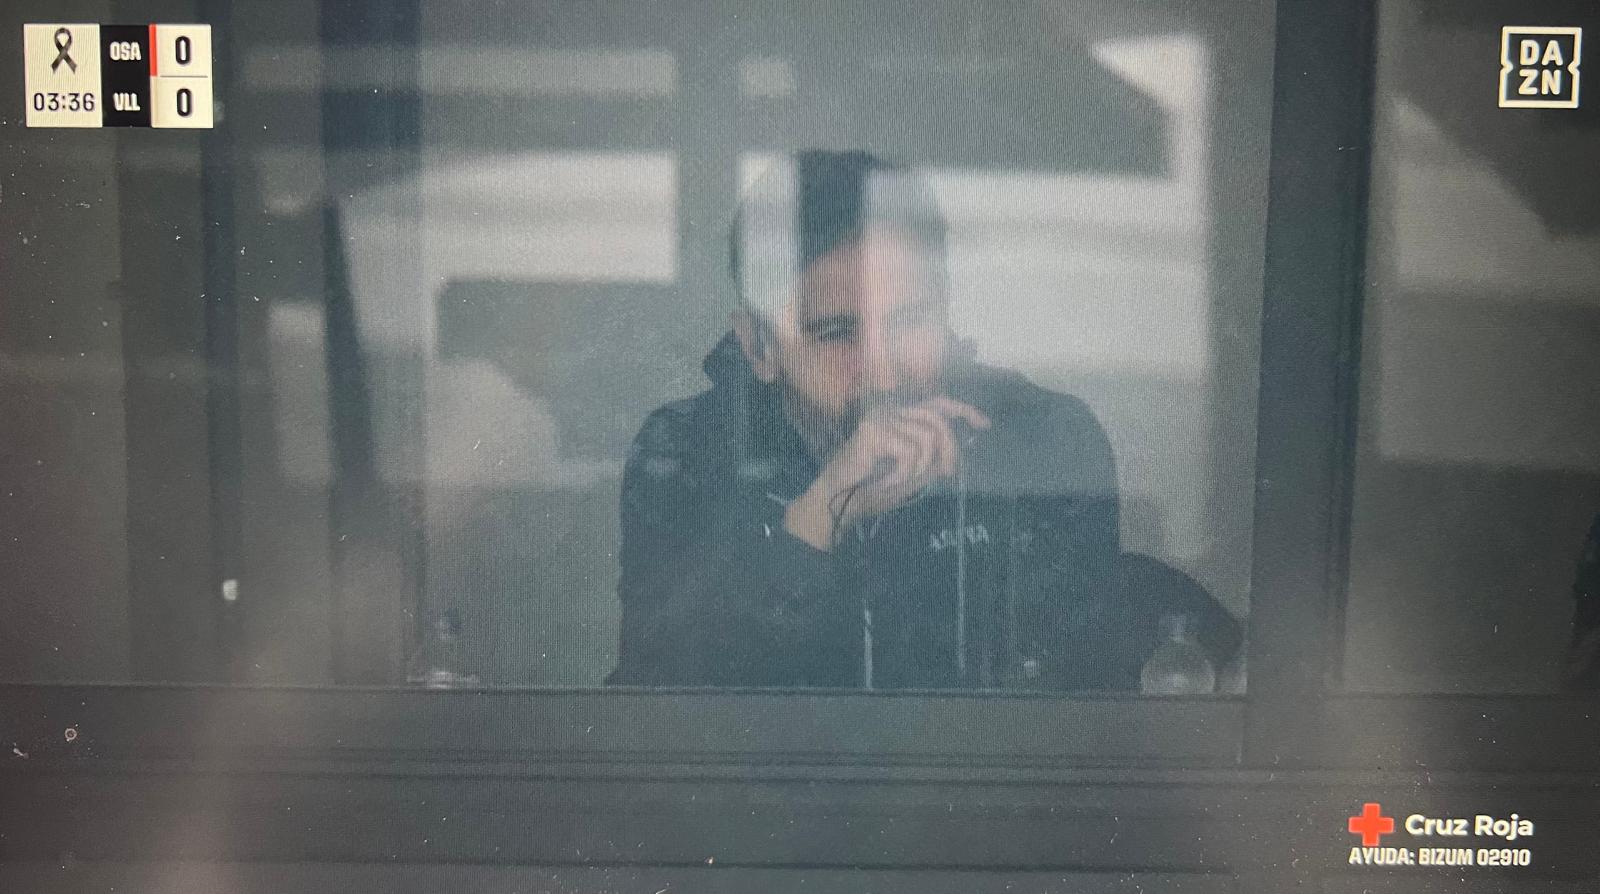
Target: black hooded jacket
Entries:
(1003, 578)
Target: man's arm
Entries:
(714, 591)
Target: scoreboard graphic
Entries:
(117, 75)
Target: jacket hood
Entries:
(726, 364)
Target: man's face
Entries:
(869, 324)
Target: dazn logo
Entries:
(1539, 67)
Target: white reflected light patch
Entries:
(551, 216)
(1096, 273)
(297, 362)
(531, 216)
(523, 216)
(464, 70)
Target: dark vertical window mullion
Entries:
(1234, 96)
(1310, 331)
(378, 538)
(224, 437)
(168, 378)
(708, 144)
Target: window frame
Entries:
(1292, 715)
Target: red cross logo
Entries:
(1371, 825)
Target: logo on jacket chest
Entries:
(946, 538)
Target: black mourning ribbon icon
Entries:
(63, 45)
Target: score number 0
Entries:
(181, 85)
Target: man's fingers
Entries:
(951, 408)
(936, 427)
(910, 454)
(927, 442)
(906, 448)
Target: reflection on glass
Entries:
(1478, 466)
(470, 260)
(857, 501)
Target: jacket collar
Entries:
(763, 446)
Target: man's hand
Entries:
(894, 454)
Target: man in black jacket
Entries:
(855, 502)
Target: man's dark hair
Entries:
(829, 201)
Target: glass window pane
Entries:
(1478, 468)
(909, 347)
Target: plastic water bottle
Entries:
(1179, 666)
(439, 664)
